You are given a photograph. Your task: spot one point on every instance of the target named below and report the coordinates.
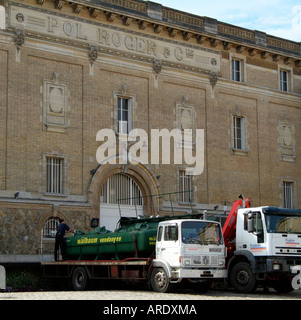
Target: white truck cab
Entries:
(267, 246)
(188, 249)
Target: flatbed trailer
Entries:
(82, 271)
(159, 253)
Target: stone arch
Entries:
(145, 179)
(46, 246)
(49, 214)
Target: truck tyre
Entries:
(159, 280)
(79, 279)
(242, 278)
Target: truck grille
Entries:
(288, 251)
(202, 260)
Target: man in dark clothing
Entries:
(59, 240)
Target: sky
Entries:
(280, 18)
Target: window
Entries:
(50, 227)
(238, 133)
(185, 186)
(282, 222)
(160, 232)
(171, 233)
(54, 175)
(288, 194)
(236, 70)
(121, 189)
(123, 115)
(284, 80)
(256, 219)
(258, 227)
(201, 232)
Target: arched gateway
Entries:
(123, 191)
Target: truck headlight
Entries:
(186, 262)
(276, 266)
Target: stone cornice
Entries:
(194, 29)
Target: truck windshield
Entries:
(201, 232)
(282, 223)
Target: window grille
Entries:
(54, 175)
(185, 186)
(288, 194)
(50, 227)
(238, 133)
(121, 189)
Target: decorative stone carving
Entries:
(59, 4)
(214, 42)
(200, 39)
(286, 140)
(252, 52)
(172, 32)
(213, 78)
(186, 35)
(157, 66)
(55, 104)
(185, 120)
(19, 38)
(77, 8)
(158, 28)
(92, 54)
(142, 24)
(126, 20)
(110, 16)
(94, 12)
(124, 89)
(227, 45)
(264, 55)
(20, 17)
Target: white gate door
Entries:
(120, 197)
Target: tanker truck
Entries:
(160, 251)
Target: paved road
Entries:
(107, 295)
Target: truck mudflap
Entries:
(199, 273)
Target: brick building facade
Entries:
(71, 68)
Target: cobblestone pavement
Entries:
(146, 295)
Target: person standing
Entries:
(59, 240)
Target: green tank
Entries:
(135, 238)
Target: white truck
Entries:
(264, 244)
(185, 249)
(188, 249)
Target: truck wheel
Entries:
(242, 278)
(159, 280)
(79, 279)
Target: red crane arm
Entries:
(229, 228)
